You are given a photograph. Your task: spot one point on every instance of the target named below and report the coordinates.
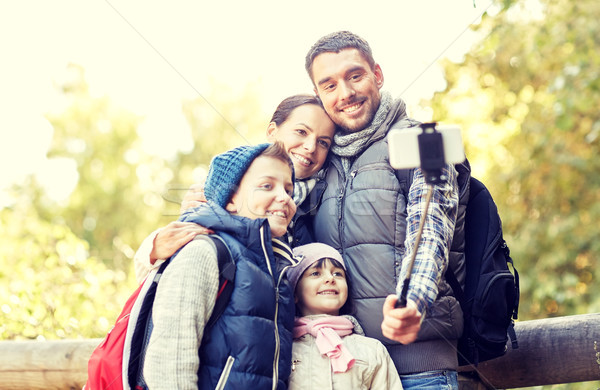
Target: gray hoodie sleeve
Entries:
(184, 301)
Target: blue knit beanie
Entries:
(226, 172)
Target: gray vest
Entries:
(363, 215)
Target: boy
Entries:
(248, 191)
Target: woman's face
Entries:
(306, 135)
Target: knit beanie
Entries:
(226, 172)
(307, 255)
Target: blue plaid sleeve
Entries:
(432, 256)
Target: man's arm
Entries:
(432, 256)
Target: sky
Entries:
(148, 57)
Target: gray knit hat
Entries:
(226, 172)
(307, 255)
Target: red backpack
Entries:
(115, 364)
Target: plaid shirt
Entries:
(432, 256)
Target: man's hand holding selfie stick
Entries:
(430, 150)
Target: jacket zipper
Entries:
(225, 373)
(277, 341)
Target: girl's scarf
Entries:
(347, 145)
(327, 331)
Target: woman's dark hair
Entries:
(348, 307)
(285, 108)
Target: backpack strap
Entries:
(459, 293)
(405, 178)
(226, 279)
(139, 338)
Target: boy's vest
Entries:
(253, 336)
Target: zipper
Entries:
(277, 341)
(225, 373)
(495, 242)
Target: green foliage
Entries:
(219, 122)
(527, 97)
(52, 288)
(68, 267)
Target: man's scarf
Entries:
(347, 145)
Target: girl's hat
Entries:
(307, 255)
(226, 172)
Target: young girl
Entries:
(330, 350)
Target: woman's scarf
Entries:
(327, 331)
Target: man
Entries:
(366, 216)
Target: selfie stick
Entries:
(431, 151)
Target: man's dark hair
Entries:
(287, 105)
(336, 42)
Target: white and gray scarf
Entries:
(303, 187)
(347, 145)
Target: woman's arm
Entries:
(162, 244)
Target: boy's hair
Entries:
(227, 169)
(277, 151)
(289, 104)
(336, 42)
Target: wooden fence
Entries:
(551, 351)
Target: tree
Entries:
(52, 288)
(527, 97)
(68, 267)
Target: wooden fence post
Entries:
(551, 351)
(60, 364)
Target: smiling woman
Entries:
(305, 130)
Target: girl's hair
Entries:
(285, 108)
(348, 307)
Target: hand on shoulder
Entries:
(174, 236)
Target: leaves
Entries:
(527, 99)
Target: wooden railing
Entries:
(551, 351)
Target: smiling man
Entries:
(365, 214)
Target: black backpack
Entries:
(490, 300)
(140, 337)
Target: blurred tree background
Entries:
(68, 268)
(527, 97)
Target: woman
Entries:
(302, 126)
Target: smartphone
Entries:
(404, 146)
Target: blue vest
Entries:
(252, 339)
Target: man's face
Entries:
(348, 88)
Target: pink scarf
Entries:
(327, 332)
